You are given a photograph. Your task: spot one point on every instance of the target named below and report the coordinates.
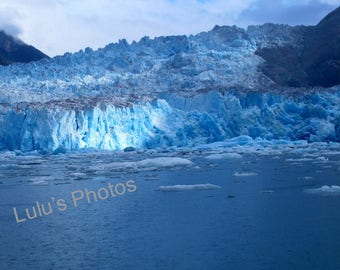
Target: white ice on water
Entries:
(224, 156)
(188, 187)
(145, 164)
(324, 190)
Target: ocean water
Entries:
(268, 212)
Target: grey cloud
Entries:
(10, 29)
(57, 26)
(307, 13)
(7, 22)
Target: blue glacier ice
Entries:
(167, 91)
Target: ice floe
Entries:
(324, 190)
(224, 156)
(244, 174)
(39, 181)
(188, 187)
(147, 164)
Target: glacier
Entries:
(163, 92)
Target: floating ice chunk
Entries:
(244, 174)
(188, 187)
(6, 155)
(79, 175)
(149, 164)
(321, 160)
(268, 191)
(39, 181)
(299, 159)
(224, 156)
(324, 190)
(164, 162)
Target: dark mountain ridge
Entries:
(13, 50)
(315, 63)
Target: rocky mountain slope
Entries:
(13, 50)
(314, 62)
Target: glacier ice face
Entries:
(100, 128)
(174, 120)
(167, 91)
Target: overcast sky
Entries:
(59, 26)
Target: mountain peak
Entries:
(331, 19)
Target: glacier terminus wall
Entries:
(174, 120)
(167, 91)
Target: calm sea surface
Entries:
(261, 217)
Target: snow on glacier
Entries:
(167, 91)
